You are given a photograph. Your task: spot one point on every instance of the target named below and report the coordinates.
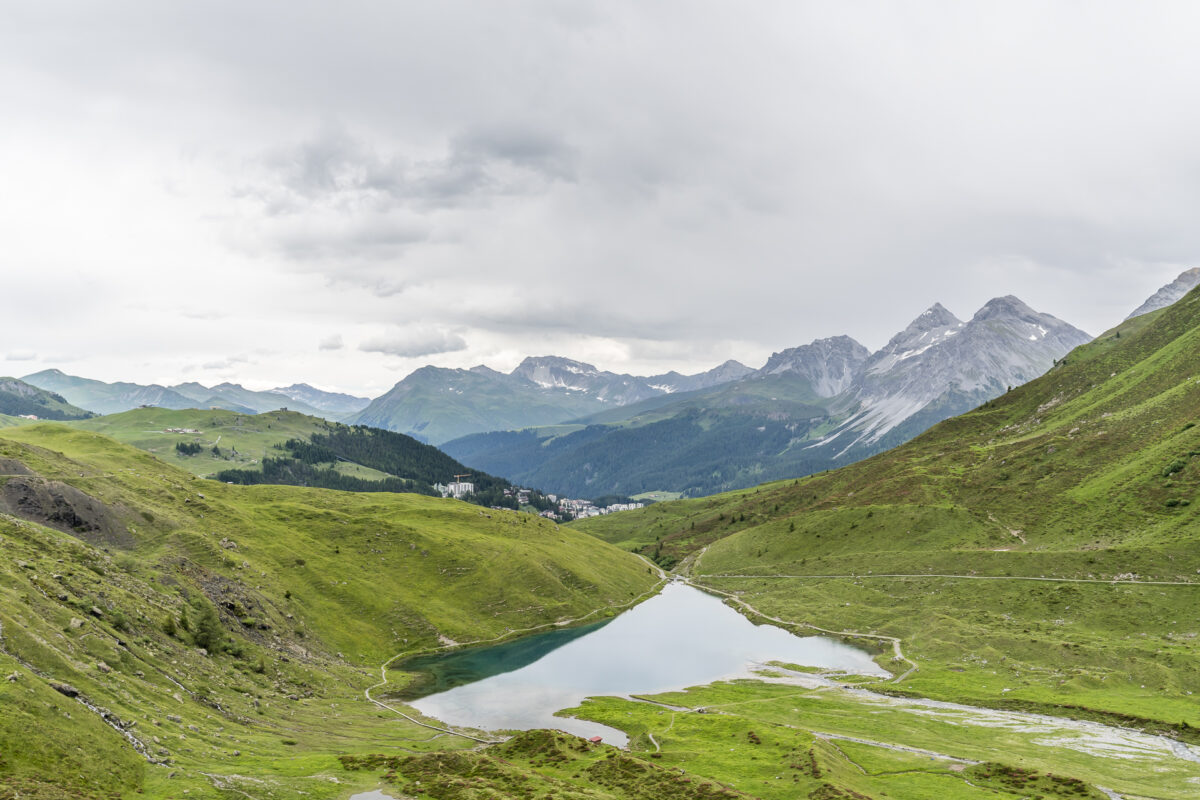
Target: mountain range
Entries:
(808, 409)
(570, 427)
(112, 398)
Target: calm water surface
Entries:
(681, 637)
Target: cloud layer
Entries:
(646, 186)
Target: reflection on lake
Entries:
(681, 637)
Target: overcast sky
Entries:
(338, 193)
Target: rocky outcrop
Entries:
(65, 508)
(1169, 294)
(829, 365)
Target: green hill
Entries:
(1040, 552)
(243, 440)
(167, 635)
(289, 448)
(7, 421)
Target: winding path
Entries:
(1107, 582)
(894, 640)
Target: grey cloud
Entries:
(333, 342)
(335, 198)
(21, 355)
(415, 343)
(671, 173)
(537, 151)
(225, 363)
(345, 239)
(337, 170)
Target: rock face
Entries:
(1169, 294)
(553, 372)
(829, 365)
(65, 508)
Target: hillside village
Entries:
(550, 506)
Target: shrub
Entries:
(208, 632)
(1175, 466)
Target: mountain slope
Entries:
(437, 405)
(21, 399)
(116, 570)
(1014, 550)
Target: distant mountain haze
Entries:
(113, 398)
(332, 402)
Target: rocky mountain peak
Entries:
(552, 370)
(932, 326)
(1006, 306)
(829, 364)
(936, 316)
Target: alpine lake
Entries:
(681, 637)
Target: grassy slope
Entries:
(1064, 477)
(781, 741)
(7, 421)
(242, 438)
(314, 588)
